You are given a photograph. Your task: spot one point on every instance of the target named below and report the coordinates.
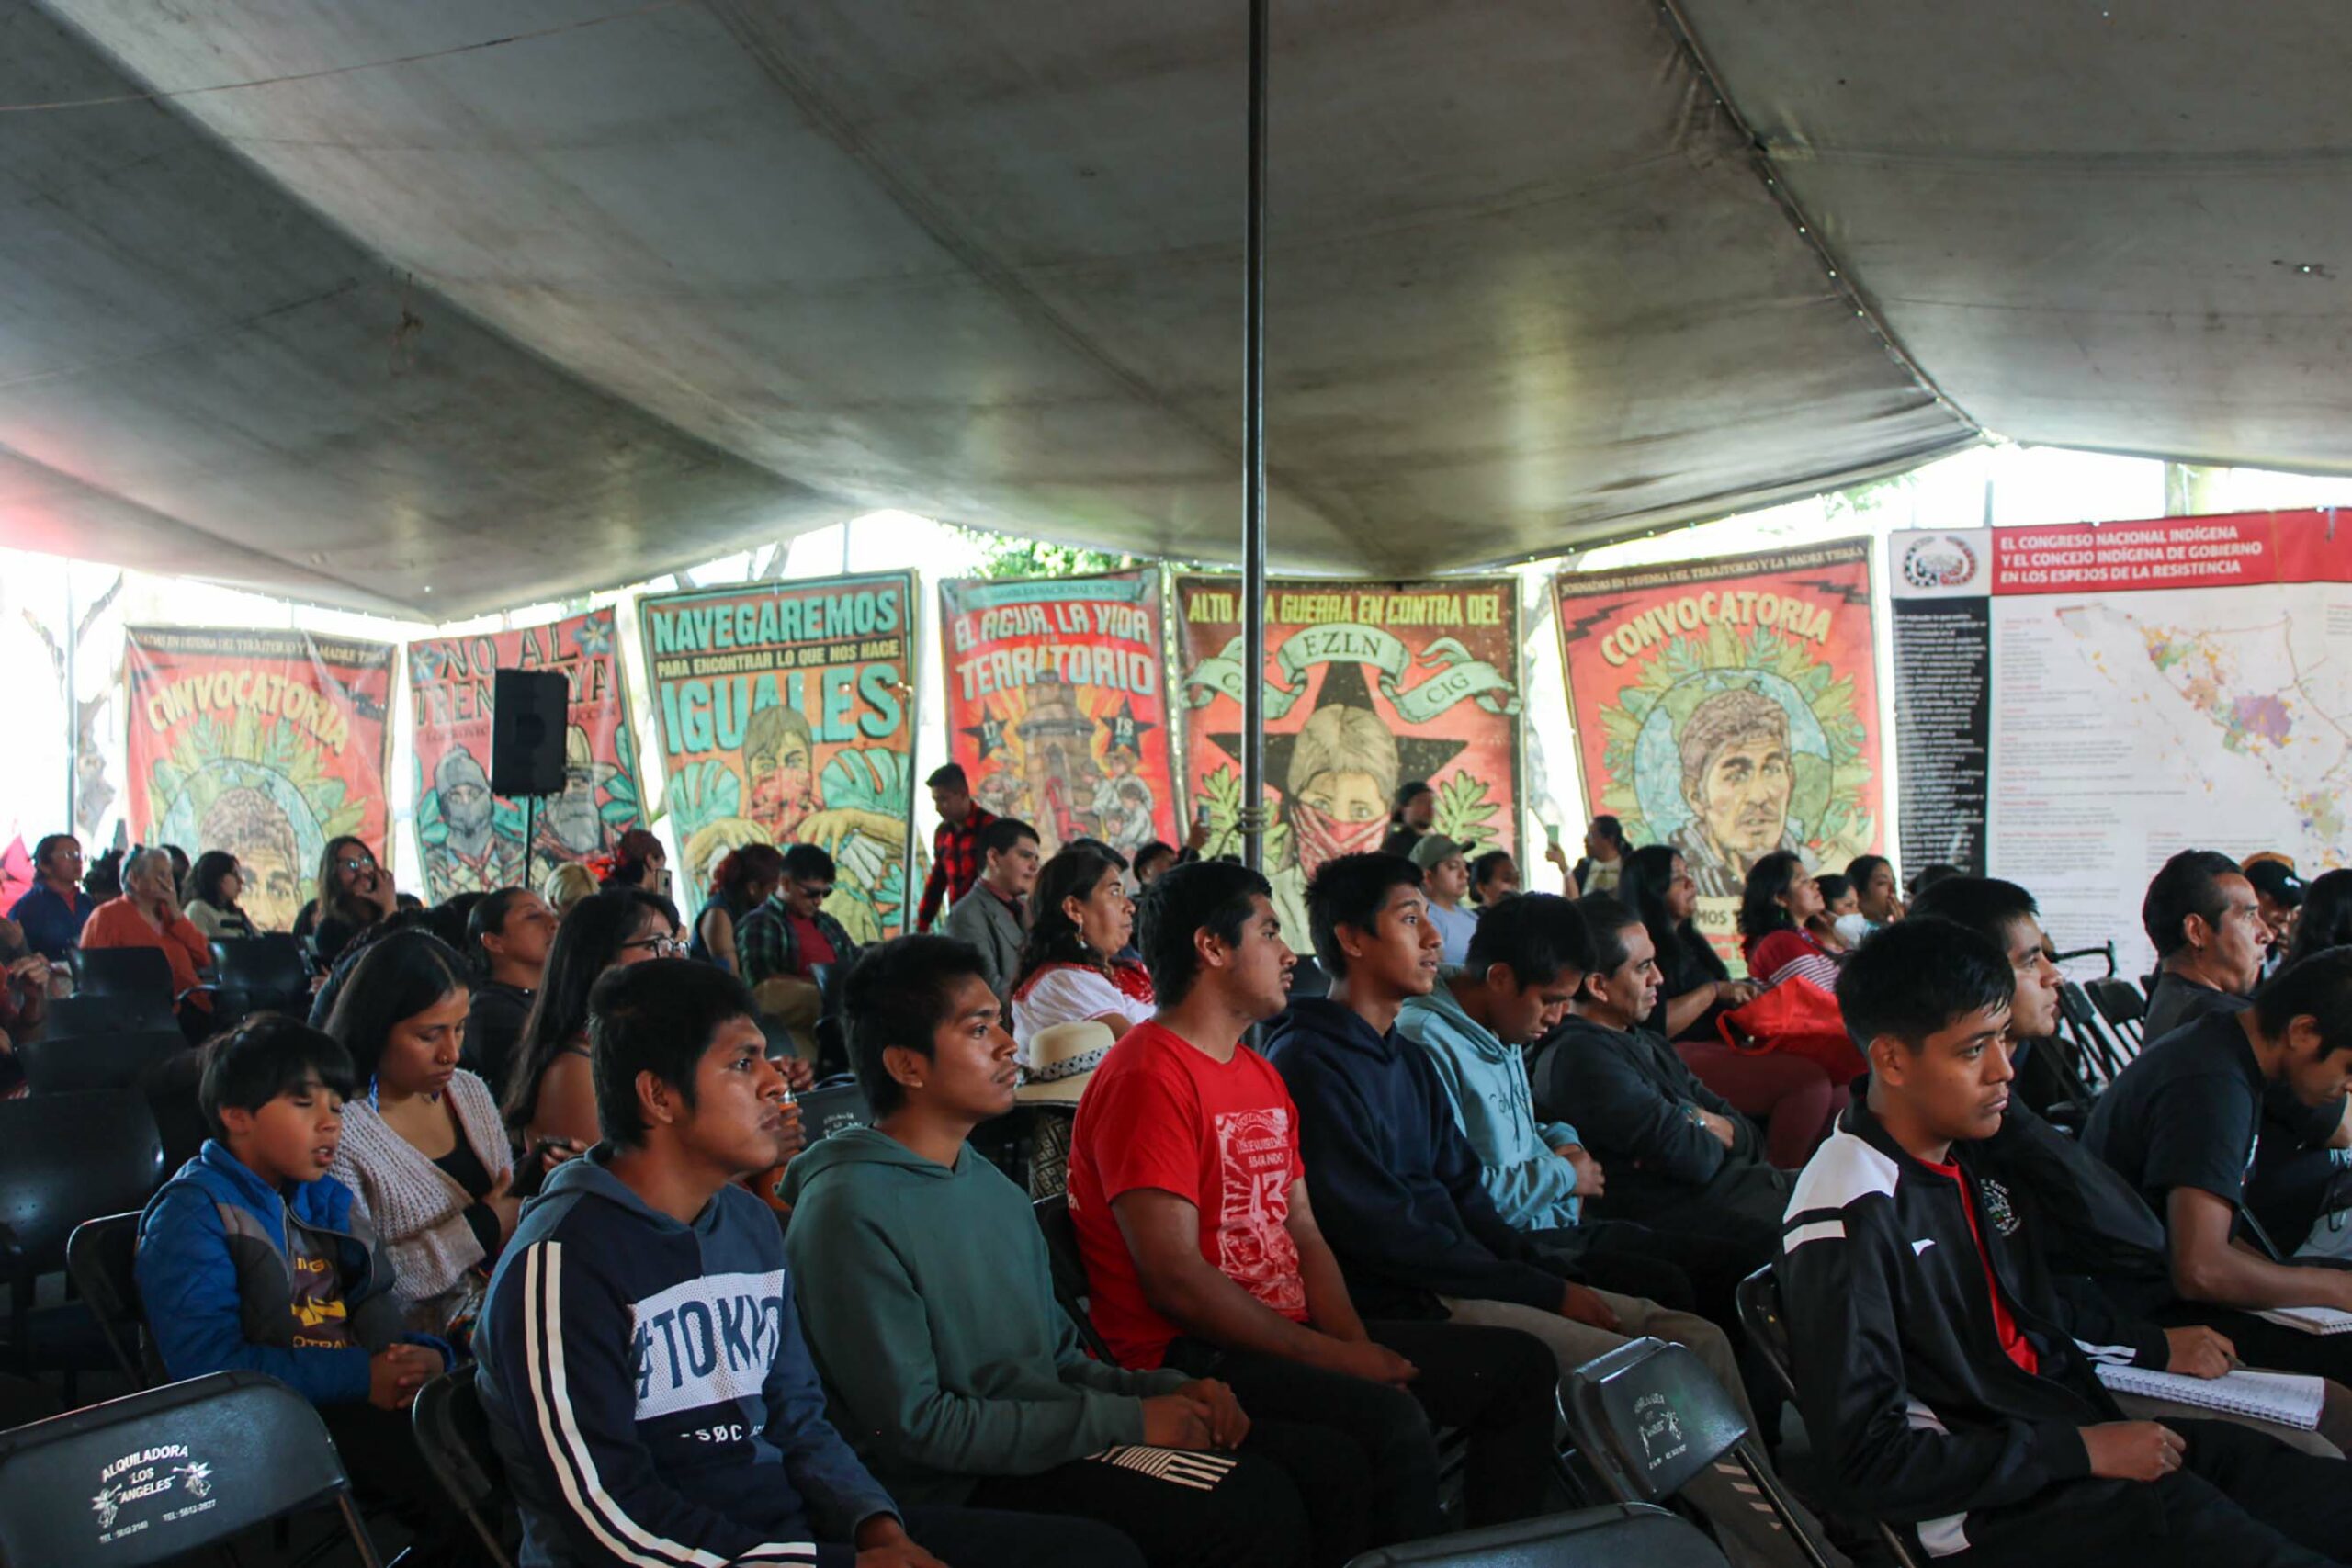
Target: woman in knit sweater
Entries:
(422, 1147)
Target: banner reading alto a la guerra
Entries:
(263, 743)
(1056, 706)
(472, 840)
(786, 713)
(1368, 686)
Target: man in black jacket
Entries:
(1941, 1377)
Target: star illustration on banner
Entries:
(989, 732)
(1126, 729)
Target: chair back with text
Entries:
(454, 1435)
(832, 1105)
(176, 1469)
(75, 1065)
(1615, 1535)
(133, 974)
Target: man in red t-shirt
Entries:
(1190, 1200)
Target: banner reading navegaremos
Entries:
(1056, 706)
(1368, 684)
(1730, 708)
(263, 743)
(472, 840)
(788, 717)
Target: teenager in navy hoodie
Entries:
(642, 1363)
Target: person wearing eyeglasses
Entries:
(781, 944)
(354, 892)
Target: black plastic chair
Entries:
(261, 973)
(833, 1046)
(73, 1066)
(454, 1436)
(2124, 1009)
(1759, 1302)
(101, 1257)
(832, 1105)
(1653, 1420)
(2101, 1051)
(174, 1471)
(70, 1157)
(79, 1018)
(1069, 1272)
(135, 974)
(1615, 1535)
(1308, 979)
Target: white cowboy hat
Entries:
(1062, 1056)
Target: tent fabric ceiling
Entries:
(642, 286)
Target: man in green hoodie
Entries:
(928, 1302)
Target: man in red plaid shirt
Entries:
(955, 847)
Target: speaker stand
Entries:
(530, 837)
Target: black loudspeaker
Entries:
(529, 714)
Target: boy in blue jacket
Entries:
(642, 1363)
(250, 1258)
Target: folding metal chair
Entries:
(101, 1257)
(454, 1435)
(70, 1157)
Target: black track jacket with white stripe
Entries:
(1917, 1413)
(649, 1388)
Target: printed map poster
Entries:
(2160, 685)
(1730, 708)
(472, 840)
(1058, 704)
(264, 743)
(788, 717)
(1368, 686)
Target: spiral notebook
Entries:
(2311, 1320)
(2283, 1397)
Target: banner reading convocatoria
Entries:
(788, 717)
(1057, 707)
(1368, 685)
(2124, 691)
(473, 842)
(1730, 708)
(263, 743)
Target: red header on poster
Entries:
(2227, 551)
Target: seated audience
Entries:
(1398, 1190)
(1080, 918)
(1445, 883)
(2325, 919)
(1202, 1254)
(1677, 1155)
(213, 886)
(1955, 1400)
(1840, 925)
(1494, 876)
(1779, 901)
(354, 892)
(2094, 1229)
(24, 1000)
(1696, 986)
(1877, 893)
(642, 1366)
(508, 933)
(1605, 848)
(1412, 816)
(254, 1258)
(783, 942)
(638, 860)
(53, 913)
(1156, 857)
(994, 916)
(740, 884)
(103, 880)
(423, 1150)
(2278, 896)
(928, 1302)
(148, 915)
(550, 1094)
(566, 884)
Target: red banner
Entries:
(472, 840)
(1056, 705)
(264, 743)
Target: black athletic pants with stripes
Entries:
(1182, 1510)
(1496, 1383)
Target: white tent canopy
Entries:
(639, 285)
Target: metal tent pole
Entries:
(1253, 515)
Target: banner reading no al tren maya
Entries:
(786, 711)
(1730, 708)
(472, 841)
(1368, 685)
(263, 743)
(1056, 706)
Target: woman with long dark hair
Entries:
(212, 889)
(1776, 904)
(549, 1092)
(421, 1149)
(354, 891)
(639, 861)
(1605, 848)
(1081, 917)
(740, 884)
(508, 933)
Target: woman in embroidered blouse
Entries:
(1079, 916)
(1779, 900)
(421, 1145)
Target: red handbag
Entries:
(1795, 1018)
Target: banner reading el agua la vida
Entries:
(786, 715)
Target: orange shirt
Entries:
(117, 923)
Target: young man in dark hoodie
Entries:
(1202, 1252)
(642, 1366)
(928, 1301)
(1399, 1188)
(1940, 1375)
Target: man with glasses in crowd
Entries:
(781, 944)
